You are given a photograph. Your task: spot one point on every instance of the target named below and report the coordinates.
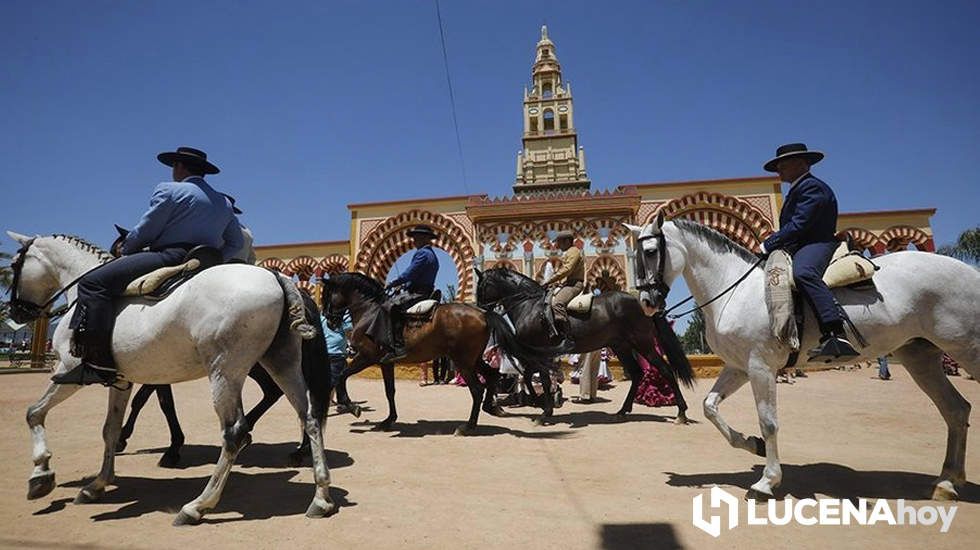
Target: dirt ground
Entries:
(588, 481)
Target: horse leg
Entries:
(671, 377)
(923, 361)
(226, 394)
(171, 457)
(763, 381)
(547, 398)
(271, 393)
(388, 374)
(729, 381)
(632, 367)
(41, 482)
(110, 436)
(139, 399)
(476, 392)
(296, 393)
(492, 376)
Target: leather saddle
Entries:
(158, 284)
(423, 308)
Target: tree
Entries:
(450, 294)
(966, 248)
(693, 340)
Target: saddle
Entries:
(847, 269)
(581, 304)
(423, 309)
(158, 284)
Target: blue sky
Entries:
(308, 107)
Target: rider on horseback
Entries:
(569, 281)
(807, 231)
(417, 283)
(184, 213)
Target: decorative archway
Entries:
(274, 264)
(389, 240)
(303, 267)
(606, 274)
(898, 237)
(737, 219)
(334, 264)
(862, 238)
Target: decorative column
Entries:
(39, 343)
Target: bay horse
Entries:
(922, 304)
(616, 321)
(216, 325)
(455, 330)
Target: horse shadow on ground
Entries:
(422, 428)
(590, 418)
(256, 455)
(832, 480)
(255, 496)
(638, 536)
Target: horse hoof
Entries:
(945, 491)
(384, 426)
(355, 410)
(88, 496)
(682, 419)
(758, 496)
(317, 510)
(120, 445)
(184, 519)
(169, 460)
(542, 421)
(40, 486)
(760, 445)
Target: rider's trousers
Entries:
(809, 264)
(95, 313)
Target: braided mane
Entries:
(715, 239)
(81, 243)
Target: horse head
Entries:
(34, 279)
(496, 284)
(655, 266)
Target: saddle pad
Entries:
(141, 286)
(422, 308)
(581, 303)
(848, 269)
(779, 299)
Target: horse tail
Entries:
(503, 334)
(294, 308)
(672, 348)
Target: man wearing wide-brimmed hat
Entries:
(183, 213)
(807, 231)
(416, 283)
(569, 280)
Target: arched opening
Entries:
(447, 280)
(533, 125)
(547, 90)
(549, 121)
(737, 219)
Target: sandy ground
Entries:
(587, 481)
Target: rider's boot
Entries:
(567, 344)
(97, 367)
(397, 339)
(833, 345)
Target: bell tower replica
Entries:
(551, 160)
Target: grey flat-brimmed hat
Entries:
(422, 231)
(565, 234)
(793, 150)
(188, 155)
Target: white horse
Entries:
(218, 324)
(923, 304)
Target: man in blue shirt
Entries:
(337, 354)
(808, 232)
(416, 284)
(183, 214)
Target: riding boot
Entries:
(567, 344)
(833, 345)
(397, 339)
(97, 367)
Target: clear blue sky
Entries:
(310, 106)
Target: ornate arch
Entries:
(274, 264)
(555, 262)
(616, 274)
(389, 240)
(334, 264)
(899, 236)
(503, 262)
(861, 237)
(303, 267)
(737, 219)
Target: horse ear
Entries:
(22, 239)
(660, 219)
(121, 230)
(634, 228)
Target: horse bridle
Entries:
(23, 311)
(658, 284)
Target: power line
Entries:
(452, 98)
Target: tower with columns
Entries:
(551, 159)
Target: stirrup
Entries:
(835, 347)
(86, 374)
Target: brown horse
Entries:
(455, 330)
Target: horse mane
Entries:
(79, 242)
(524, 281)
(716, 240)
(366, 286)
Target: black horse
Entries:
(316, 369)
(616, 321)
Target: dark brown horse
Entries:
(616, 321)
(454, 330)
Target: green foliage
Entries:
(966, 248)
(693, 339)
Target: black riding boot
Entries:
(833, 345)
(97, 367)
(567, 344)
(397, 339)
